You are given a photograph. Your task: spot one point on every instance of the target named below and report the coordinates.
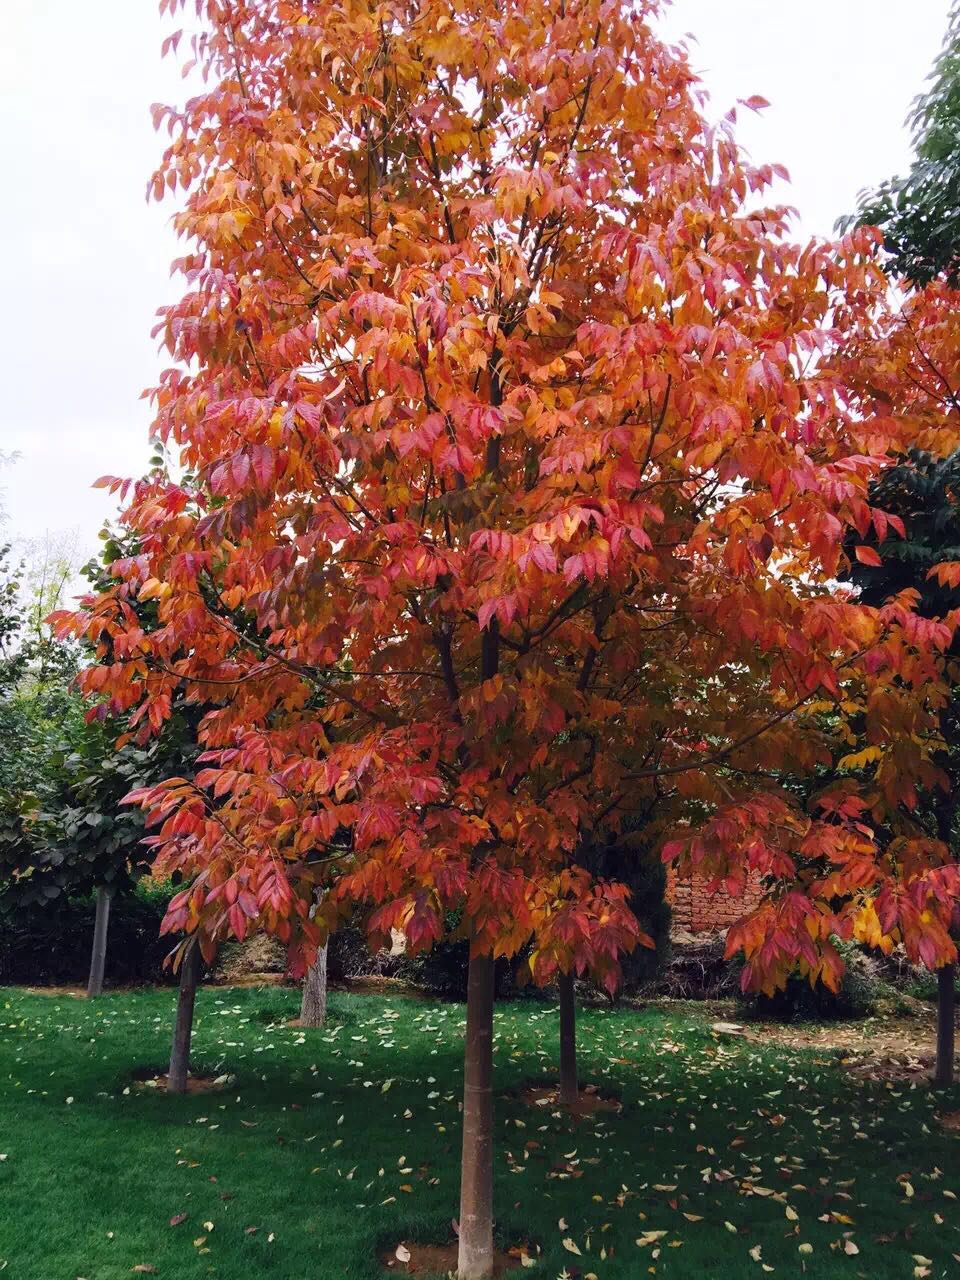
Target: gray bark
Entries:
(98, 955)
(313, 1007)
(183, 1026)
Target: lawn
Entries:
(327, 1145)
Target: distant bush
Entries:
(441, 972)
(648, 901)
(50, 944)
(861, 991)
(696, 970)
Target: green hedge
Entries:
(51, 944)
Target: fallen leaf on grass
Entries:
(650, 1237)
(177, 1219)
(402, 1253)
(145, 1268)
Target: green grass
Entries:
(332, 1143)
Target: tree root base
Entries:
(589, 1102)
(151, 1078)
(411, 1259)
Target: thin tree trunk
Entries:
(946, 1005)
(183, 1027)
(98, 956)
(475, 1253)
(569, 1085)
(475, 1260)
(313, 1007)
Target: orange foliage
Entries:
(518, 445)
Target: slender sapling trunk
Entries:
(569, 1085)
(946, 1021)
(475, 1260)
(183, 1027)
(98, 956)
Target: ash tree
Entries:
(515, 445)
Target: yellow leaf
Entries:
(861, 759)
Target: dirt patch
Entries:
(76, 993)
(895, 1048)
(951, 1121)
(381, 986)
(151, 1078)
(589, 1101)
(409, 1259)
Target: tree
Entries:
(76, 836)
(63, 776)
(924, 491)
(892, 877)
(920, 216)
(514, 440)
(628, 858)
(920, 213)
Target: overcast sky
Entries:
(85, 259)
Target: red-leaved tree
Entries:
(516, 468)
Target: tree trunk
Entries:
(183, 1027)
(475, 1260)
(569, 1085)
(946, 1003)
(313, 1008)
(98, 956)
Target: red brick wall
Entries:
(698, 910)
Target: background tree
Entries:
(66, 830)
(920, 218)
(924, 492)
(628, 857)
(919, 214)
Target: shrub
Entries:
(860, 991)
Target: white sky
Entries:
(86, 260)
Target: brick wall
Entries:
(697, 910)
